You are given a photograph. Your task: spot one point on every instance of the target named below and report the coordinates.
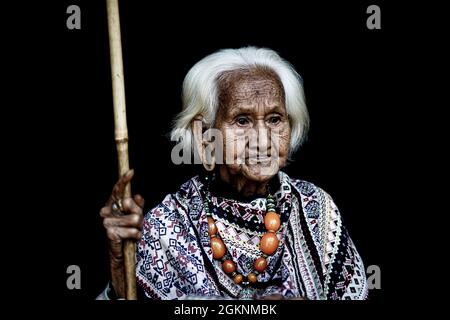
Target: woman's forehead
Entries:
(256, 88)
(250, 88)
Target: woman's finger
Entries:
(106, 211)
(139, 200)
(127, 221)
(121, 233)
(119, 187)
(131, 207)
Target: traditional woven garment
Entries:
(316, 258)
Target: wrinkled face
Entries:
(254, 123)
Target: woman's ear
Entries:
(200, 144)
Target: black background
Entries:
(351, 79)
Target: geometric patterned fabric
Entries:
(315, 259)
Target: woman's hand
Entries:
(120, 225)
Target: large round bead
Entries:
(252, 278)
(212, 228)
(238, 278)
(272, 221)
(269, 243)
(218, 248)
(260, 264)
(228, 266)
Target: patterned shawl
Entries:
(316, 258)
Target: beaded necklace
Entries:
(268, 243)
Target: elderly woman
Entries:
(243, 228)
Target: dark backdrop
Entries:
(349, 82)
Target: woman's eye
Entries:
(242, 121)
(274, 120)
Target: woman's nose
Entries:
(259, 140)
(263, 140)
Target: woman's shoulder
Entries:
(188, 192)
(315, 201)
(307, 188)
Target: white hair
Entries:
(201, 94)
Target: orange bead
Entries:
(272, 221)
(212, 228)
(269, 243)
(260, 264)
(218, 248)
(228, 266)
(252, 278)
(238, 278)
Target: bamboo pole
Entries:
(121, 131)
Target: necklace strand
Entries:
(268, 243)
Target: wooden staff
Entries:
(121, 131)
